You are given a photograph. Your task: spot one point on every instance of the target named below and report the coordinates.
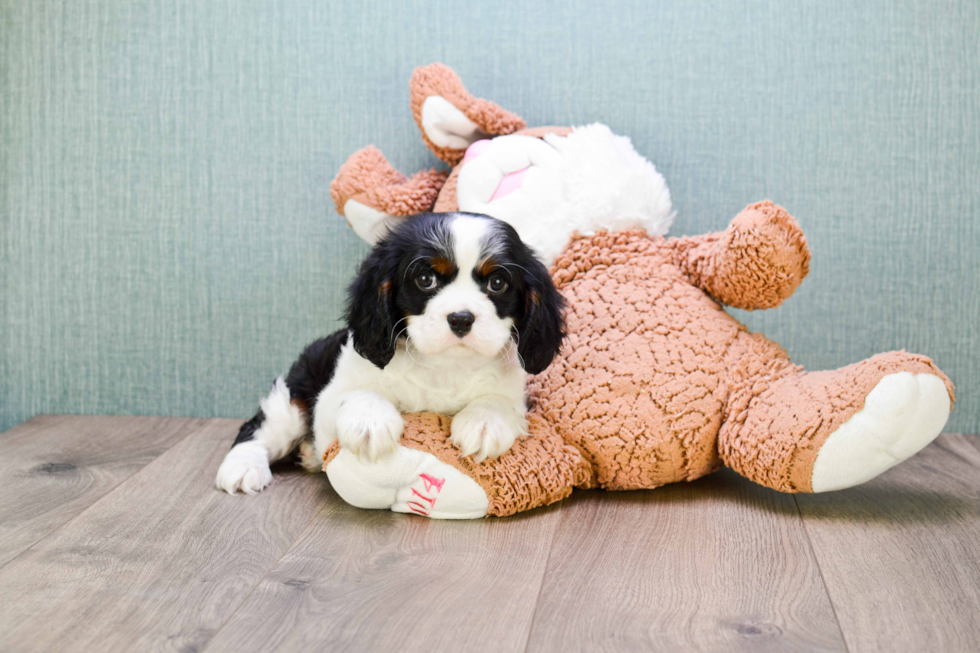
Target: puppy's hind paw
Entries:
(244, 469)
(308, 458)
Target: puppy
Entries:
(448, 314)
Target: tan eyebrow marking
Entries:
(441, 265)
(486, 267)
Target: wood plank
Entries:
(717, 564)
(366, 580)
(160, 562)
(900, 554)
(53, 467)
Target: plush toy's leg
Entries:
(372, 195)
(428, 476)
(820, 431)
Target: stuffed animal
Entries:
(656, 383)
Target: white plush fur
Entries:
(591, 179)
(901, 415)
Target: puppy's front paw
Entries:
(245, 469)
(483, 432)
(368, 425)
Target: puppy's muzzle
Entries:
(460, 323)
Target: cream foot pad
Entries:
(901, 415)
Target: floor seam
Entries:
(537, 598)
(823, 579)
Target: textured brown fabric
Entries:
(779, 416)
(657, 383)
(438, 79)
(368, 178)
(756, 263)
(639, 388)
(655, 371)
(447, 196)
(538, 470)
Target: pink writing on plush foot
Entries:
(431, 500)
(432, 481)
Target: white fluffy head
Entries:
(547, 189)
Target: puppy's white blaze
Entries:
(474, 241)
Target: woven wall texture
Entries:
(167, 240)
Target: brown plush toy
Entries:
(656, 383)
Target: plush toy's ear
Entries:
(374, 197)
(450, 118)
(371, 305)
(541, 332)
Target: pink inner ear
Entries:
(476, 149)
(509, 184)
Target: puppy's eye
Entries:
(426, 281)
(496, 284)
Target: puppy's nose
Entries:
(460, 323)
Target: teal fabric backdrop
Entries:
(168, 241)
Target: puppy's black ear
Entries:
(541, 332)
(371, 305)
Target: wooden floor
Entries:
(113, 538)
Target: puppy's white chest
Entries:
(443, 388)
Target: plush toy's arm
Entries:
(450, 118)
(372, 195)
(756, 263)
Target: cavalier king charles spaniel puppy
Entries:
(448, 314)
